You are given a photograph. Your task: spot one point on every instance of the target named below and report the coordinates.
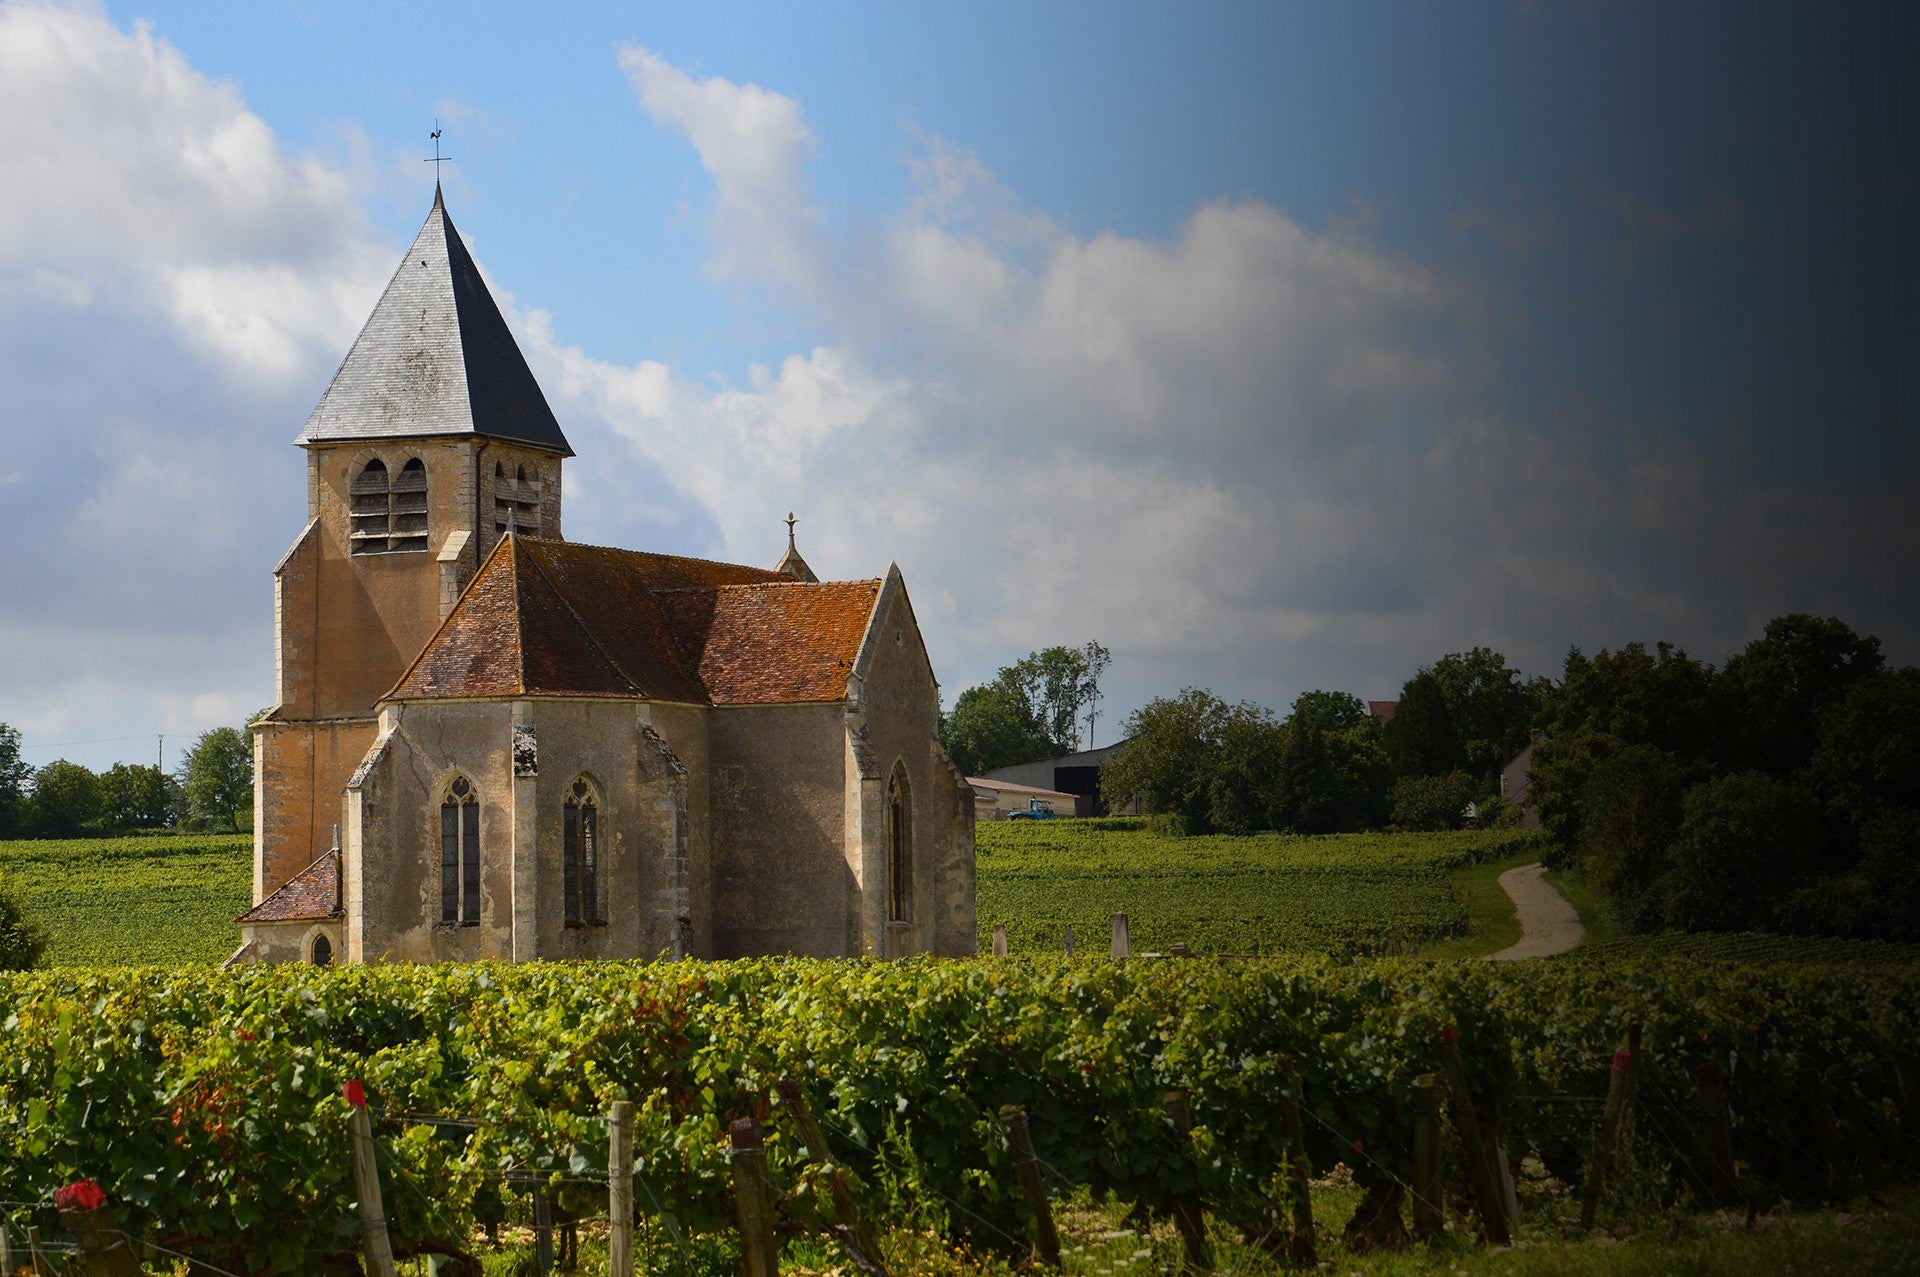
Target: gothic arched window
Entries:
(388, 512)
(322, 951)
(460, 854)
(899, 848)
(579, 859)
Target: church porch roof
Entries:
(312, 895)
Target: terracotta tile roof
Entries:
(554, 618)
(309, 896)
(772, 644)
(1382, 710)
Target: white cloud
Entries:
(172, 283)
(1257, 454)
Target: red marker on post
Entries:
(356, 1093)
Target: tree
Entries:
(1031, 710)
(1745, 841)
(1492, 708)
(1867, 755)
(1637, 697)
(1432, 802)
(137, 796)
(1244, 787)
(217, 777)
(1171, 756)
(1631, 807)
(15, 776)
(1421, 737)
(1771, 695)
(1332, 781)
(66, 799)
(21, 944)
(990, 727)
(1330, 711)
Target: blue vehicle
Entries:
(1037, 809)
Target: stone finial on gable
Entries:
(791, 563)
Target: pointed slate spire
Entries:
(435, 359)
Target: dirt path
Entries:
(1548, 923)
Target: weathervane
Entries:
(790, 522)
(438, 159)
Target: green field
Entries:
(126, 901)
(1341, 894)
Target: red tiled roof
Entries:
(309, 896)
(1382, 710)
(772, 644)
(554, 618)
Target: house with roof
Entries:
(489, 742)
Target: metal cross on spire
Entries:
(438, 159)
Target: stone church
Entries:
(492, 743)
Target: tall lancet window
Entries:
(580, 857)
(899, 848)
(460, 854)
(389, 512)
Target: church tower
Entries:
(432, 440)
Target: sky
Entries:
(1274, 346)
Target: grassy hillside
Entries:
(169, 899)
(1341, 894)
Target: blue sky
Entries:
(1275, 346)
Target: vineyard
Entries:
(209, 1106)
(1756, 948)
(1341, 895)
(124, 901)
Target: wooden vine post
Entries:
(42, 1266)
(366, 1184)
(1189, 1216)
(1619, 1095)
(1026, 1172)
(752, 1204)
(999, 939)
(1427, 1221)
(1716, 1135)
(1300, 1246)
(1122, 937)
(853, 1233)
(620, 1189)
(104, 1248)
(1486, 1192)
(6, 1246)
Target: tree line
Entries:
(211, 790)
(1327, 765)
(1780, 792)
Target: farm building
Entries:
(999, 799)
(492, 743)
(1076, 774)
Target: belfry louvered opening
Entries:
(389, 512)
(516, 501)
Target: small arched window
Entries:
(322, 951)
(899, 848)
(460, 854)
(389, 512)
(579, 861)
